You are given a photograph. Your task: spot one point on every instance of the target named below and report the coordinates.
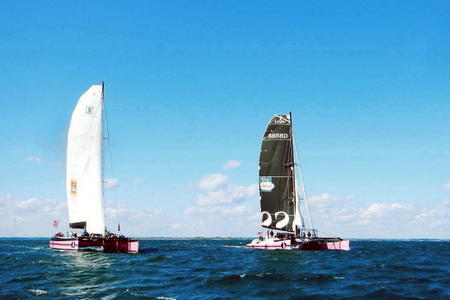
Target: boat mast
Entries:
(103, 149)
(298, 218)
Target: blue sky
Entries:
(190, 86)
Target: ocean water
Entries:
(224, 269)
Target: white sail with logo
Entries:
(84, 179)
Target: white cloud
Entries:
(376, 210)
(446, 187)
(221, 209)
(215, 189)
(433, 219)
(110, 183)
(231, 164)
(30, 217)
(33, 159)
(176, 226)
(342, 215)
(212, 182)
(216, 211)
(6, 197)
(137, 222)
(323, 200)
(227, 194)
(31, 203)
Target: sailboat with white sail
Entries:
(284, 203)
(84, 180)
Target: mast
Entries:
(103, 149)
(299, 221)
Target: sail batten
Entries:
(84, 163)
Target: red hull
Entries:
(323, 244)
(122, 245)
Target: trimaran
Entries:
(284, 205)
(84, 180)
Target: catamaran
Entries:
(84, 180)
(284, 204)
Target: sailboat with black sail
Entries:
(284, 204)
(84, 180)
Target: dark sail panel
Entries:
(276, 175)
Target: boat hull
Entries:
(270, 244)
(122, 245)
(64, 244)
(342, 245)
(301, 244)
(107, 245)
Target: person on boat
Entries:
(309, 234)
(303, 235)
(292, 237)
(271, 233)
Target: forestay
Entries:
(84, 163)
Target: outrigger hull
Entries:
(107, 245)
(301, 244)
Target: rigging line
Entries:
(108, 138)
(303, 183)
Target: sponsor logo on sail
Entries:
(73, 187)
(266, 184)
(278, 136)
(281, 119)
(89, 109)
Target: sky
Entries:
(190, 87)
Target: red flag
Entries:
(259, 233)
(55, 223)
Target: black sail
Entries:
(276, 175)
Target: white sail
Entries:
(84, 178)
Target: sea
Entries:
(225, 269)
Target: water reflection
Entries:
(84, 272)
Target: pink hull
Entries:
(110, 245)
(133, 247)
(317, 244)
(66, 244)
(342, 245)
